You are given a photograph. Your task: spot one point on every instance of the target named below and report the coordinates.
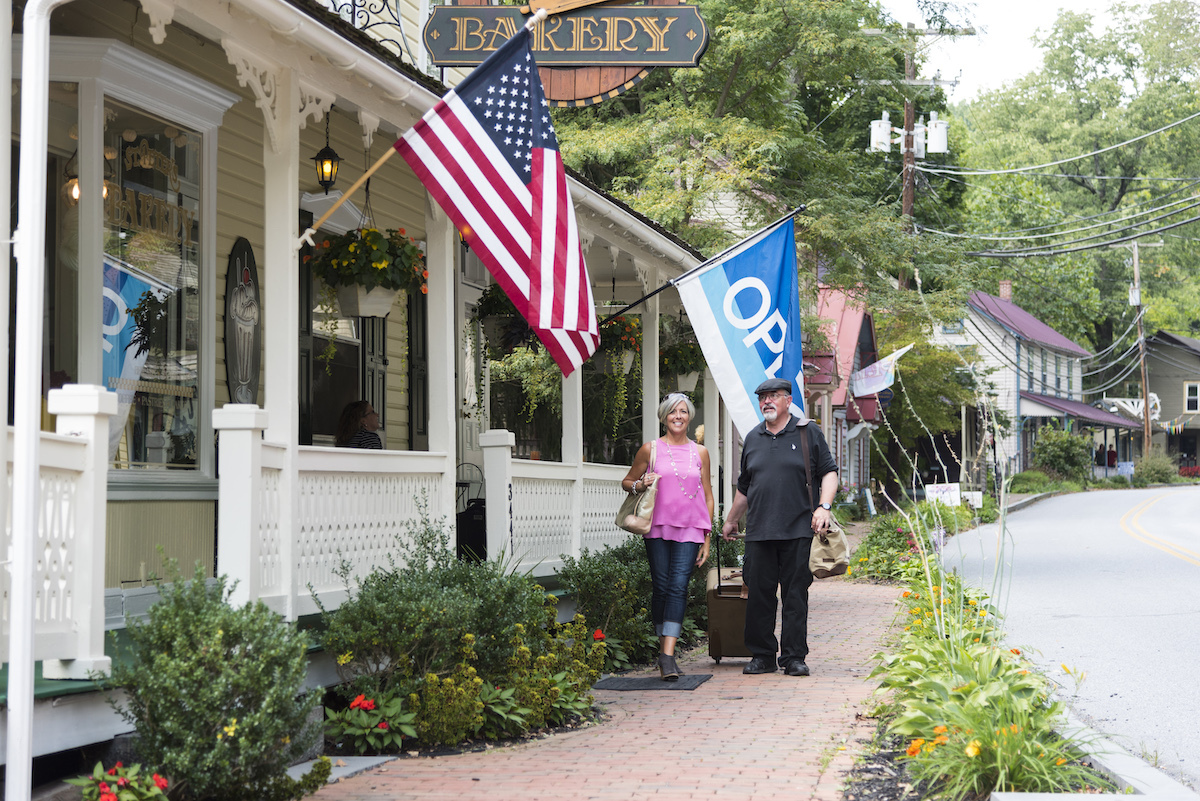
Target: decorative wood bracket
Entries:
(161, 13)
(263, 79)
(315, 102)
(370, 124)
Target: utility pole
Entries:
(1135, 300)
(909, 151)
(913, 135)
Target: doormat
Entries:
(688, 681)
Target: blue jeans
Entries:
(671, 565)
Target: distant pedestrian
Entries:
(357, 425)
(1112, 456)
(1101, 457)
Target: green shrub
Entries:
(400, 624)
(612, 589)
(370, 725)
(1157, 468)
(979, 719)
(216, 694)
(449, 708)
(1069, 455)
(1030, 482)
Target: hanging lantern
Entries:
(327, 161)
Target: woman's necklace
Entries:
(675, 470)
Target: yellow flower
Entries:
(983, 613)
(345, 658)
(1066, 669)
(231, 728)
(381, 265)
(973, 602)
(972, 749)
(1060, 761)
(286, 740)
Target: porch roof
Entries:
(1049, 406)
(844, 322)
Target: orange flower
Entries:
(424, 289)
(914, 747)
(1016, 651)
(940, 729)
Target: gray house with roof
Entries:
(1035, 375)
(1173, 373)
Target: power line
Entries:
(1076, 217)
(1164, 216)
(1003, 254)
(994, 238)
(1013, 170)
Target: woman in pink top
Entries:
(679, 532)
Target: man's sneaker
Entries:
(796, 668)
(758, 665)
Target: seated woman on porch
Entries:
(682, 522)
(356, 427)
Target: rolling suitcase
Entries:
(726, 613)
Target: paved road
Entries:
(1107, 582)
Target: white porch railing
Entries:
(350, 505)
(538, 511)
(69, 571)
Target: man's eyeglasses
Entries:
(771, 396)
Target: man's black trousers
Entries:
(784, 564)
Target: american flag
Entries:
(488, 155)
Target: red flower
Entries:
(597, 635)
(121, 782)
(160, 782)
(383, 724)
(108, 797)
(357, 702)
(104, 786)
(368, 704)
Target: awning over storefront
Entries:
(1034, 405)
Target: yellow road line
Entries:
(1133, 518)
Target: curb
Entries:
(351, 766)
(1131, 774)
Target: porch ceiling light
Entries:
(327, 161)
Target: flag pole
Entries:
(306, 237)
(704, 264)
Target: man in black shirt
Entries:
(780, 526)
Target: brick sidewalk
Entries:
(735, 737)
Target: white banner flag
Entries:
(877, 376)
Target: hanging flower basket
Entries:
(358, 301)
(687, 382)
(370, 259)
(609, 362)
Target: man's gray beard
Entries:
(771, 415)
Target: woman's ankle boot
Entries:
(667, 667)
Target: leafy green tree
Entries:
(1106, 93)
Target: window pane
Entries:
(151, 287)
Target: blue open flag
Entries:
(745, 310)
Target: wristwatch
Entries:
(826, 507)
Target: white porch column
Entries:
(83, 411)
(239, 513)
(29, 246)
(650, 382)
(572, 451)
(713, 440)
(441, 245)
(281, 306)
(497, 476)
(727, 437)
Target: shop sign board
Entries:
(584, 56)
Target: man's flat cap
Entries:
(774, 385)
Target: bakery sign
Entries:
(585, 52)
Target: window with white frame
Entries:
(1057, 376)
(131, 250)
(1191, 396)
